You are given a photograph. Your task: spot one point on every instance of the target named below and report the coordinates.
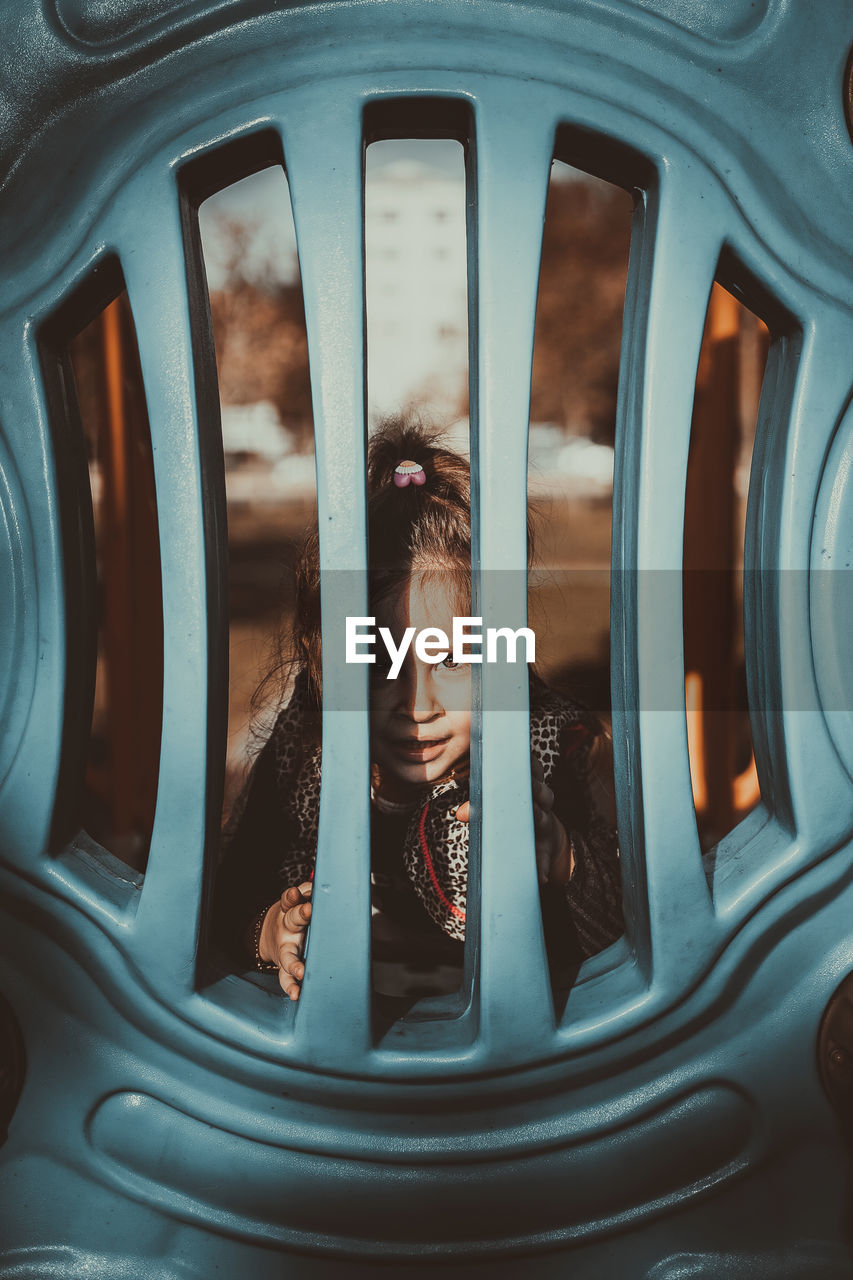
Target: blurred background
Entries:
(416, 281)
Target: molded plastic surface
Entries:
(670, 1123)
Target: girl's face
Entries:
(420, 723)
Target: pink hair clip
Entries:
(408, 472)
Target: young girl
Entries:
(419, 575)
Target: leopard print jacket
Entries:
(275, 821)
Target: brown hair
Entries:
(420, 529)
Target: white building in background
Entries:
(416, 278)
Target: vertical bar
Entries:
(674, 254)
(324, 169)
(831, 619)
(33, 702)
(190, 498)
(820, 808)
(514, 148)
(761, 585)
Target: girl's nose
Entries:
(421, 702)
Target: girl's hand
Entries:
(554, 860)
(283, 936)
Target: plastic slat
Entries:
(166, 931)
(819, 788)
(324, 171)
(513, 166)
(675, 251)
(29, 764)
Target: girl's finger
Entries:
(463, 813)
(544, 795)
(296, 918)
(291, 897)
(291, 964)
(291, 969)
(541, 820)
(288, 986)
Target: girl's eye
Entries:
(450, 664)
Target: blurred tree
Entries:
(579, 313)
(261, 343)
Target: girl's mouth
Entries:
(422, 751)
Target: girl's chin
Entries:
(418, 772)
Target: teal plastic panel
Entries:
(669, 1122)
